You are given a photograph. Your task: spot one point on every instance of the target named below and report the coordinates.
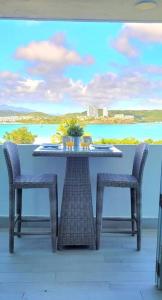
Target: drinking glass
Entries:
(64, 141)
(86, 141)
(69, 142)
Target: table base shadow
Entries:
(76, 222)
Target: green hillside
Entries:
(140, 115)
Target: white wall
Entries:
(116, 200)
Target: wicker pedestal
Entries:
(76, 221)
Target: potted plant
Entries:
(75, 130)
(71, 128)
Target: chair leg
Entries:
(57, 210)
(11, 218)
(53, 212)
(132, 191)
(19, 210)
(99, 207)
(138, 205)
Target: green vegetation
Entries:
(150, 141)
(127, 141)
(43, 118)
(140, 116)
(20, 136)
(74, 128)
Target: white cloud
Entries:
(7, 75)
(28, 85)
(51, 55)
(144, 32)
(106, 89)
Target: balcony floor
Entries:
(115, 272)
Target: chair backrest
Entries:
(139, 161)
(12, 160)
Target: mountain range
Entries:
(4, 107)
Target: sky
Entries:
(60, 67)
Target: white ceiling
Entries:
(112, 10)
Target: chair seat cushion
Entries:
(33, 181)
(117, 180)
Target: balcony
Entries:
(116, 271)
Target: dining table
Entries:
(77, 224)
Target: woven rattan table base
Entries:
(77, 223)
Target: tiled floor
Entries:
(117, 271)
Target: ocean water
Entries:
(140, 131)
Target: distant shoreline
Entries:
(86, 124)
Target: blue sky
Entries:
(61, 67)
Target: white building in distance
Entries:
(119, 116)
(105, 112)
(122, 116)
(92, 111)
(96, 112)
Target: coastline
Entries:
(85, 123)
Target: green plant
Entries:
(75, 130)
(20, 136)
(126, 141)
(70, 127)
